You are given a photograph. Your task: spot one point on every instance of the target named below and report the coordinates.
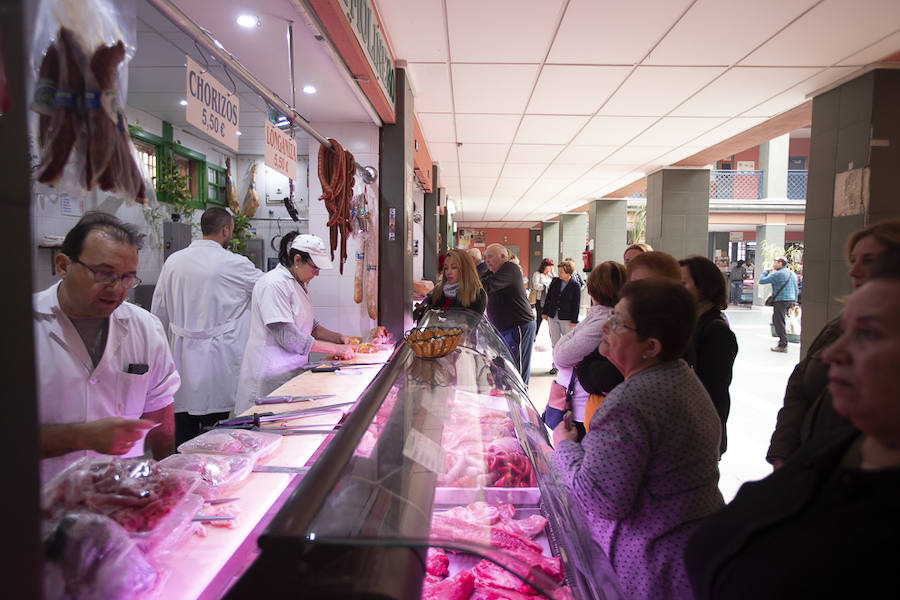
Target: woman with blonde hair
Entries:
(459, 286)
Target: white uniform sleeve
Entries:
(247, 275)
(275, 304)
(165, 380)
(158, 305)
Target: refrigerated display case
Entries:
(442, 453)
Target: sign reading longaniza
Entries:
(281, 151)
(211, 107)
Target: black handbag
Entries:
(597, 375)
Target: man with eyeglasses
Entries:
(106, 378)
(202, 298)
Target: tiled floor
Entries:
(757, 391)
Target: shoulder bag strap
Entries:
(787, 281)
(570, 391)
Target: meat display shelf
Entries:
(415, 466)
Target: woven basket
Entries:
(434, 342)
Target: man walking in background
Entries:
(480, 265)
(202, 298)
(784, 292)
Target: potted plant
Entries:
(172, 187)
(242, 233)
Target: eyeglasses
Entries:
(615, 325)
(105, 277)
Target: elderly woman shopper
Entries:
(653, 264)
(562, 305)
(713, 346)
(603, 285)
(808, 413)
(647, 471)
(825, 524)
(540, 283)
(459, 287)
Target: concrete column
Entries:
(572, 236)
(395, 274)
(430, 228)
(678, 211)
(855, 125)
(443, 222)
(550, 240)
(535, 254)
(769, 235)
(773, 161)
(718, 240)
(608, 228)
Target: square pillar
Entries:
(770, 235)
(550, 240)
(572, 236)
(608, 228)
(773, 160)
(395, 273)
(430, 229)
(854, 126)
(678, 211)
(535, 251)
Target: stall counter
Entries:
(196, 564)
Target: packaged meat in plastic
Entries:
(235, 442)
(89, 556)
(137, 494)
(218, 473)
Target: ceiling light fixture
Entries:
(248, 21)
(183, 102)
(309, 89)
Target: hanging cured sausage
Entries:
(337, 169)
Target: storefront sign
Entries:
(281, 151)
(211, 107)
(735, 236)
(355, 30)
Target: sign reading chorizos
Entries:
(211, 107)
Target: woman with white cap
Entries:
(283, 330)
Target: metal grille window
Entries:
(796, 185)
(728, 185)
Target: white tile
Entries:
(538, 129)
(415, 32)
(442, 152)
(741, 88)
(574, 89)
(654, 91)
(486, 170)
(437, 127)
(534, 153)
(486, 128)
(529, 171)
(727, 130)
(492, 88)
(675, 131)
(489, 153)
(564, 170)
(875, 52)
(585, 155)
(612, 131)
(797, 95)
(432, 84)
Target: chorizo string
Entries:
(336, 174)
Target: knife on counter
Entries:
(279, 469)
(255, 419)
(287, 399)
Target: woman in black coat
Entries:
(562, 304)
(713, 347)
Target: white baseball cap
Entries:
(315, 247)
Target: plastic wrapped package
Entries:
(172, 530)
(233, 442)
(89, 556)
(218, 473)
(138, 494)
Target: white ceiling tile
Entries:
(437, 127)
(483, 153)
(612, 33)
(874, 53)
(477, 186)
(727, 130)
(612, 131)
(675, 131)
(654, 91)
(486, 128)
(605, 173)
(585, 155)
(829, 33)
(534, 153)
(678, 154)
(432, 83)
(741, 88)
(529, 171)
(422, 37)
(480, 170)
(725, 41)
(492, 88)
(574, 89)
(442, 151)
(564, 170)
(448, 169)
(510, 187)
(797, 94)
(500, 30)
(636, 155)
(551, 129)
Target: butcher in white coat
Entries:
(283, 329)
(105, 373)
(202, 299)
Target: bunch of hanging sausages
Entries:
(337, 169)
(77, 100)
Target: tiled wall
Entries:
(332, 292)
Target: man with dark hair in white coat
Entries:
(203, 300)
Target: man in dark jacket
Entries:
(480, 265)
(508, 309)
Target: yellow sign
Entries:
(281, 151)
(211, 107)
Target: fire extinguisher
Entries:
(586, 259)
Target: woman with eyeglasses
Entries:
(283, 329)
(647, 471)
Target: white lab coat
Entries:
(71, 390)
(277, 298)
(202, 299)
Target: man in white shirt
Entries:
(202, 299)
(105, 374)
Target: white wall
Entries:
(332, 293)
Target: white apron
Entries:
(277, 298)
